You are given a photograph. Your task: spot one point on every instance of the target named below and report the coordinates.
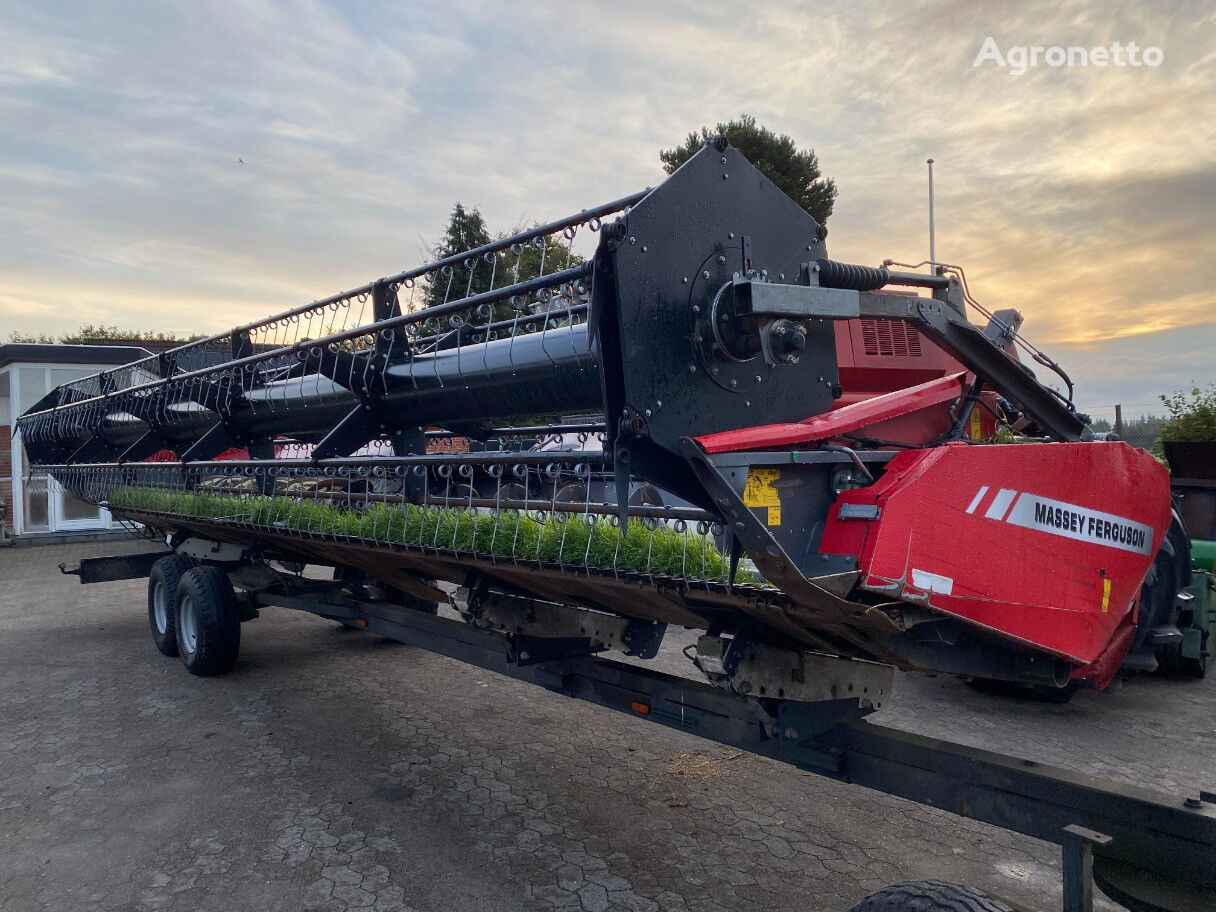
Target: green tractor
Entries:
(1193, 481)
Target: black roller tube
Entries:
(109, 414)
(547, 372)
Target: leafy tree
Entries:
(44, 338)
(90, 334)
(100, 333)
(796, 173)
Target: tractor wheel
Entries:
(1171, 657)
(208, 622)
(1168, 575)
(1176, 663)
(930, 896)
(162, 602)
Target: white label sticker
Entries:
(932, 582)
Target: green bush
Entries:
(660, 550)
(1192, 416)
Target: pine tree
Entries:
(466, 230)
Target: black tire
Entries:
(1158, 603)
(1176, 663)
(1041, 693)
(930, 896)
(208, 622)
(1171, 658)
(1168, 575)
(162, 602)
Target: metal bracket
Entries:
(1077, 848)
(114, 567)
(772, 300)
(859, 511)
(760, 670)
(355, 430)
(211, 444)
(213, 552)
(981, 351)
(582, 631)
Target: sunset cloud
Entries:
(190, 168)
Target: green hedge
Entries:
(1192, 416)
(661, 550)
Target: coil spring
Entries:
(834, 274)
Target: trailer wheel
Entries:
(163, 580)
(208, 622)
(930, 896)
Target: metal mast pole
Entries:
(932, 245)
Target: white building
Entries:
(35, 504)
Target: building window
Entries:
(37, 504)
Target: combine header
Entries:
(735, 478)
(826, 468)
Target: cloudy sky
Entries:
(1085, 197)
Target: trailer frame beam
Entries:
(1163, 848)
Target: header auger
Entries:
(736, 434)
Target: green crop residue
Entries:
(660, 550)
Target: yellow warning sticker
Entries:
(760, 493)
(759, 490)
(975, 429)
(1106, 595)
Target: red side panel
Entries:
(867, 414)
(1045, 543)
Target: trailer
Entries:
(826, 469)
(1147, 851)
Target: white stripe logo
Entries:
(1057, 517)
(978, 497)
(1000, 504)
